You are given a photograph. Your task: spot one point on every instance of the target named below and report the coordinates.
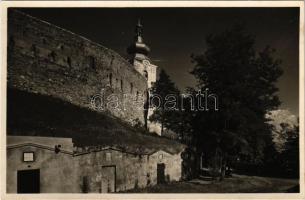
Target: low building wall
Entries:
(82, 171)
(172, 164)
(57, 174)
(132, 170)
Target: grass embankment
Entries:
(37, 115)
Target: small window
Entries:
(62, 47)
(91, 62)
(137, 97)
(108, 156)
(28, 156)
(122, 85)
(111, 61)
(69, 61)
(131, 87)
(110, 79)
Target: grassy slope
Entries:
(33, 114)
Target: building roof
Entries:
(49, 143)
(65, 143)
(138, 47)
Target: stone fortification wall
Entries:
(46, 59)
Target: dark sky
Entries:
(175, 33)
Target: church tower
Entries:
(139, 59)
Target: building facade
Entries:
(54, 165)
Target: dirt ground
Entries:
(235, 184)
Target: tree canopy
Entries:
(166, 112)
(244, 80)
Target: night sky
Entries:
(173, 34)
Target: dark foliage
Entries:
(167, 112)
(290, 156)
(244, 81)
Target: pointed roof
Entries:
(138, 46)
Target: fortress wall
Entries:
(46, 59)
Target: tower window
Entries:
(145, 74)
(122, 85)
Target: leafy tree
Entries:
(244, 81)
(165, 98)
(290, 156)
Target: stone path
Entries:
(235, 184)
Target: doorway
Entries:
(108, 179)
(160, 173)
(28, 181)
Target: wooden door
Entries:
(108, 179)
(160, 173)
(28, 181)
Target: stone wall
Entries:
(57, 174)
(132, 170)
(49, 60)
(80, 169)
(65, 173)
(172, 163)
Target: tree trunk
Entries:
(223, 165)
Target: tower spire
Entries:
(139, 31)
(139, 49)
